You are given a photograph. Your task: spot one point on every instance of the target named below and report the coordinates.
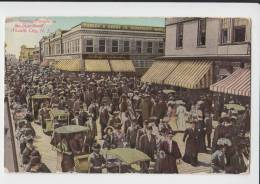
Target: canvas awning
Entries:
(238, 83)
(122, 65)
(97, 65)
(191, 75)
(72, 65)
(159, 71)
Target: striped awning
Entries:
(159, 71)
(191, 75)
(97, 65)
(72, 65)
(238, 83)
(122, 65)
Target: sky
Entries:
(29, 30)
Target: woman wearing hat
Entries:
(191, 148)
(109, 138)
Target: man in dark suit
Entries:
(148, 146)
(170, 155)
(131, 134)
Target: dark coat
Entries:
(131, 135)
(148, 147)
(168, 163)
(191, 148)
(200, 128)
(208, 125)
(96, 161)
(218, 133)
(109, 141)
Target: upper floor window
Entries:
(179, 35)
(149, 47)
(57, 48)
(114, 45)
(161, 47)
(138, 46)
(201, 32)
(102, 45)
(239, 33)
(225, 24)
(89, 45)
(126, 46)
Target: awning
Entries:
(159, 71)
(191, 75)
(122, 66)
(72, 65)
(238, 83)
(97, 65)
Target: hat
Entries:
(116, 112)
(233, 118)
(149, 127)
(35, 160)
(118, 126)
(107, 128)
(166, 119)
(96, 146)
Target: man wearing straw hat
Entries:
(96, 159)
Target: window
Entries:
(138, 46)
(114, 45)
(161, 47)
(102, 45)
(77, 45)
(224, 36)
(126, 46)
(89, 45)
(201, 32)
(179, 35)
(149, 47)
(239, 33)
(57, 48)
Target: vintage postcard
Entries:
(127, 95)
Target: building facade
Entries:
(226, 41)
(36, 55)
(26, 54)
(105, 41)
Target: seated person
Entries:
(96, 159)
(26, 155)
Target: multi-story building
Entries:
(26, 54)
(88, 42)
(36, 55)
(201, 51)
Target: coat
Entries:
(96, 161)
(146, 106)
(208, 125)
(110, 142)
(148, 147)
(200, 128)
(131, 135)
(218, 133)
(191, 148)
(168, 164)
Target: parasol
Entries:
(235, 107)
(168, 91)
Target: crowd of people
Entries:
(133, 114)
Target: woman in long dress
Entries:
(191, 148)
(172, 116)
(181, 119)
